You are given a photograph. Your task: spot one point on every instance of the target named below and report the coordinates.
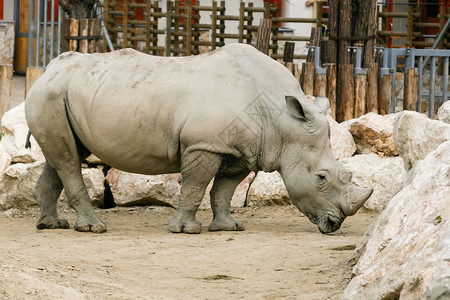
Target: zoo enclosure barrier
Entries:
(185, 32)
(418, 32)
(368, 92)
(416, 62)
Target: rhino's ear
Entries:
(297, 109)
(323, 104)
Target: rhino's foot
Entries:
(86, 225)
(227, 224)
(178, 225)
(47, 222)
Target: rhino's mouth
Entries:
(329, 223)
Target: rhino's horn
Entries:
(356, 197)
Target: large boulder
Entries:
(15, 129)
(405, 253)
(342, 143)
(373, 134)
(384, 174)
(129, 189)
(5, 158)
(16, 185)
(268, 189)
(416, 135)
(444, 112)
(18, 180)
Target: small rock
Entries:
(268, 189)
(131, 189)
(373, 134)
(444, 112)
(384, 174)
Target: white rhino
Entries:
(219, 115)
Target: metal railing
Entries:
(418, 58)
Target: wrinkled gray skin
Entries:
(218, 115)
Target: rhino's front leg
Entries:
(221, 195)
(197, 170)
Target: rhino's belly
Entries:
(129, 141)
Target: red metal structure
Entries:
(1, 10)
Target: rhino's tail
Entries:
(28, 142)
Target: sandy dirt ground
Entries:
(281, 255)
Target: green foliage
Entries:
(2, 134)
(438, 219)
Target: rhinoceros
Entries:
(219, 115)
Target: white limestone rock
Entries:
(13, 142)
(444, 112)
(416, 135)
(131, 189)
(373, 134)
(268, 189)
(405, 254)
(342, 143)
(384, 174)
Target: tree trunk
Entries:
(78, 9)
(365, 26)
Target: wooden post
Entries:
(84, 30)
(308, 79)
(313, 41)
(125, 24)
(241, 22)
(32, 75)
(249, 23)
(320, 85)
(345, 31)
(73, 30)
(169, 28)
(346, 101)
(95, 29)
(360, 95)
(288, 55)
(365, 25)
(384, 97)
(176, 27)
(331, 88)
(333, 12)
(6, 74)
(188, 27)
(410, 26)
(263, 37)
(213, 25)
(372, 88)
(410, 91)
(148, 26)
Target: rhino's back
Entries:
(149, 108)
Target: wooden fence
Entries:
(186, 32)
(415, 26)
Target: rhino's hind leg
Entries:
(47, 190)
(197, 170)
(221, 195)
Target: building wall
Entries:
(8, 11)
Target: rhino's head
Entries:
(317, 184)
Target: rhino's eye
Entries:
(321, 177)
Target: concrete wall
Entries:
(8, 11)
(6, 42)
